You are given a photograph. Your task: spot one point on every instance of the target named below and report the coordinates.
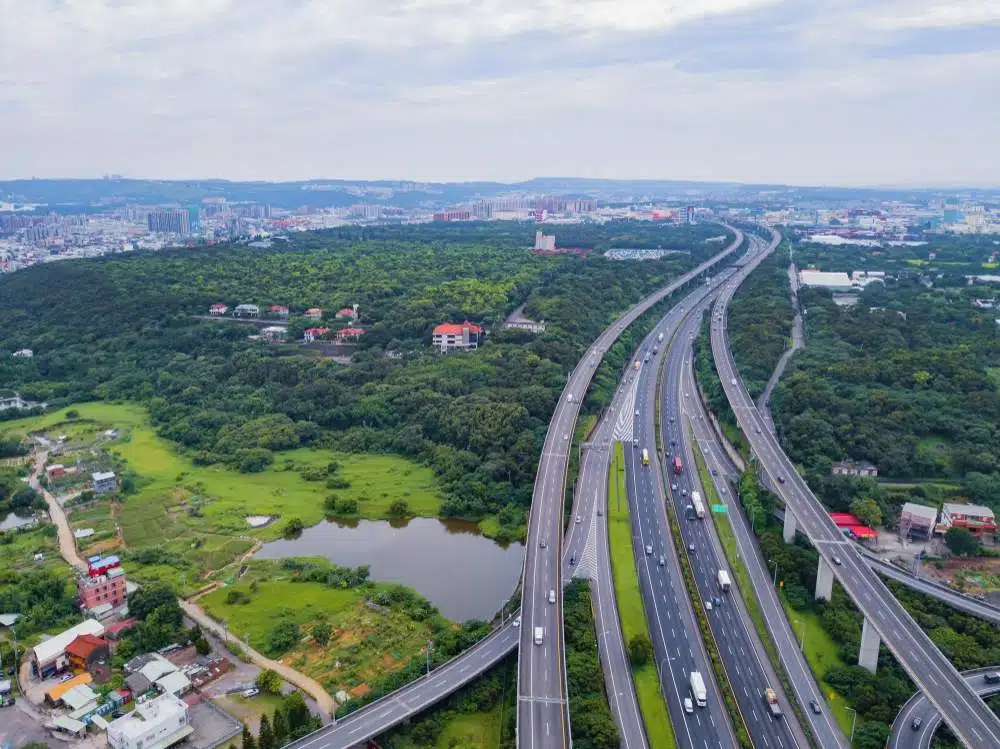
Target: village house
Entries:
(314, 334)
(274, 333)
(348, 313)
(218, 309)
(87, 652)
(917, 521)
(854, 468)
(49, 656)
(976, 518)
(451, 337)
(104, 482)
(156, 724)
(24, 353)
(279, 311)
(314, 313)
(246, 310)
(349, 335)
(103, 589)
(55, 471)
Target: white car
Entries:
(649, 549)
(516, 623)
(249, 694)
(579, 519)
(688, 705)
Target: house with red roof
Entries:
(348, 313)
(349, 335)
(86, 651)
(218, 309)
(464, 336)
(279, 311)
(314, 334)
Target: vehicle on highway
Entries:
(635, 442)
(687, 395)
(724, 582)
(637, 364)
(543, 544)
(656, 349)
(688, 705)
(645, 456)
(578, 520)
(814, 706)
(757, 429)
(684, 492)
(691, 548)
(569, 397)
(716, 601)
(637, 412)
(565, 436)
(708, 605)
(698, 689)
(992, 678)
(572, 559)
(917, 722)
(698, 505)
(552, 596)
(781, 479)
(673, 487)
(600, 512)
(836, 560)
(646, 358)
(659, 338)
(678, 467)
(516, 623)
(661, 561)
(649, 549)
(539, 635)
(732, 381)
(771, 698)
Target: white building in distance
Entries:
(156, 724)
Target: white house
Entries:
(104, 482)
(246, 310)
(156, 724)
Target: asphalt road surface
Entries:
(542, 707)
(919, 711)
(964, 711)
(746, 663)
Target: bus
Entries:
(699, 506)
(645, 456)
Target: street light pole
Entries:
(775, 581)
(430, 645)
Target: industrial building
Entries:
(49, 656)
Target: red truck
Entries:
(677, 465)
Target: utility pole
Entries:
(430, 645)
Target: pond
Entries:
(463, 573)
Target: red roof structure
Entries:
(862, 532)
(346, 312)
(278, 308)
(119, 627)
(350, 333)
(316, 332)
(845, 519)
(453, 329)
(84, 645)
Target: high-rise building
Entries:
(169, 221)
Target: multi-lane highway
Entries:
(677, 645)
(967, 715)
(725, 476)
(748, 668)
(917, 721)
(542, 707)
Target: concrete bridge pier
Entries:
(870, 641)
(788, 533)
(824, 580)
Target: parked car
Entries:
(249, 694)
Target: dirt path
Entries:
(67, 543)
(303, 682)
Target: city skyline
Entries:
(756, 91)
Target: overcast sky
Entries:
(797, 91)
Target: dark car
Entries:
(917, 722)
(814, 706)
(992, 678)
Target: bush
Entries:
(399, 508)
(282, 638)
(268, 682)
(640, 650)
(293, 528)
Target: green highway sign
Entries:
(720, 508)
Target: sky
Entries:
(855, 92)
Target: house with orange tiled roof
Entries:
(86, 651)
(464, 336)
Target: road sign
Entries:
(722, 509)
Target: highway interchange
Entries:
(907, 734)
(967, 715)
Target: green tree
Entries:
(149, 598)
(640, 650)
(202, 647)
(867, 511)
(248, 740)
(322, 632)
(279, 725)
(399, 508)
(293, 528)
(961, 541)
(268, 681)
(265, 736)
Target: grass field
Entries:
(822, 654)
(629, 601)
(18, 549)
(366, 645)
(471, 731)
(197, 514)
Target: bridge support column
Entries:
(824, 581)
(870, 641)
(790, 527)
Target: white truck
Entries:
(539, 635)
(724, 581)
(698, 689)
(697, 504)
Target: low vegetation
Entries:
(630, 608)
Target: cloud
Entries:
(832, 91)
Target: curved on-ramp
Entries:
(905, 736)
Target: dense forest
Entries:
(760, 321)
(123, 328)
